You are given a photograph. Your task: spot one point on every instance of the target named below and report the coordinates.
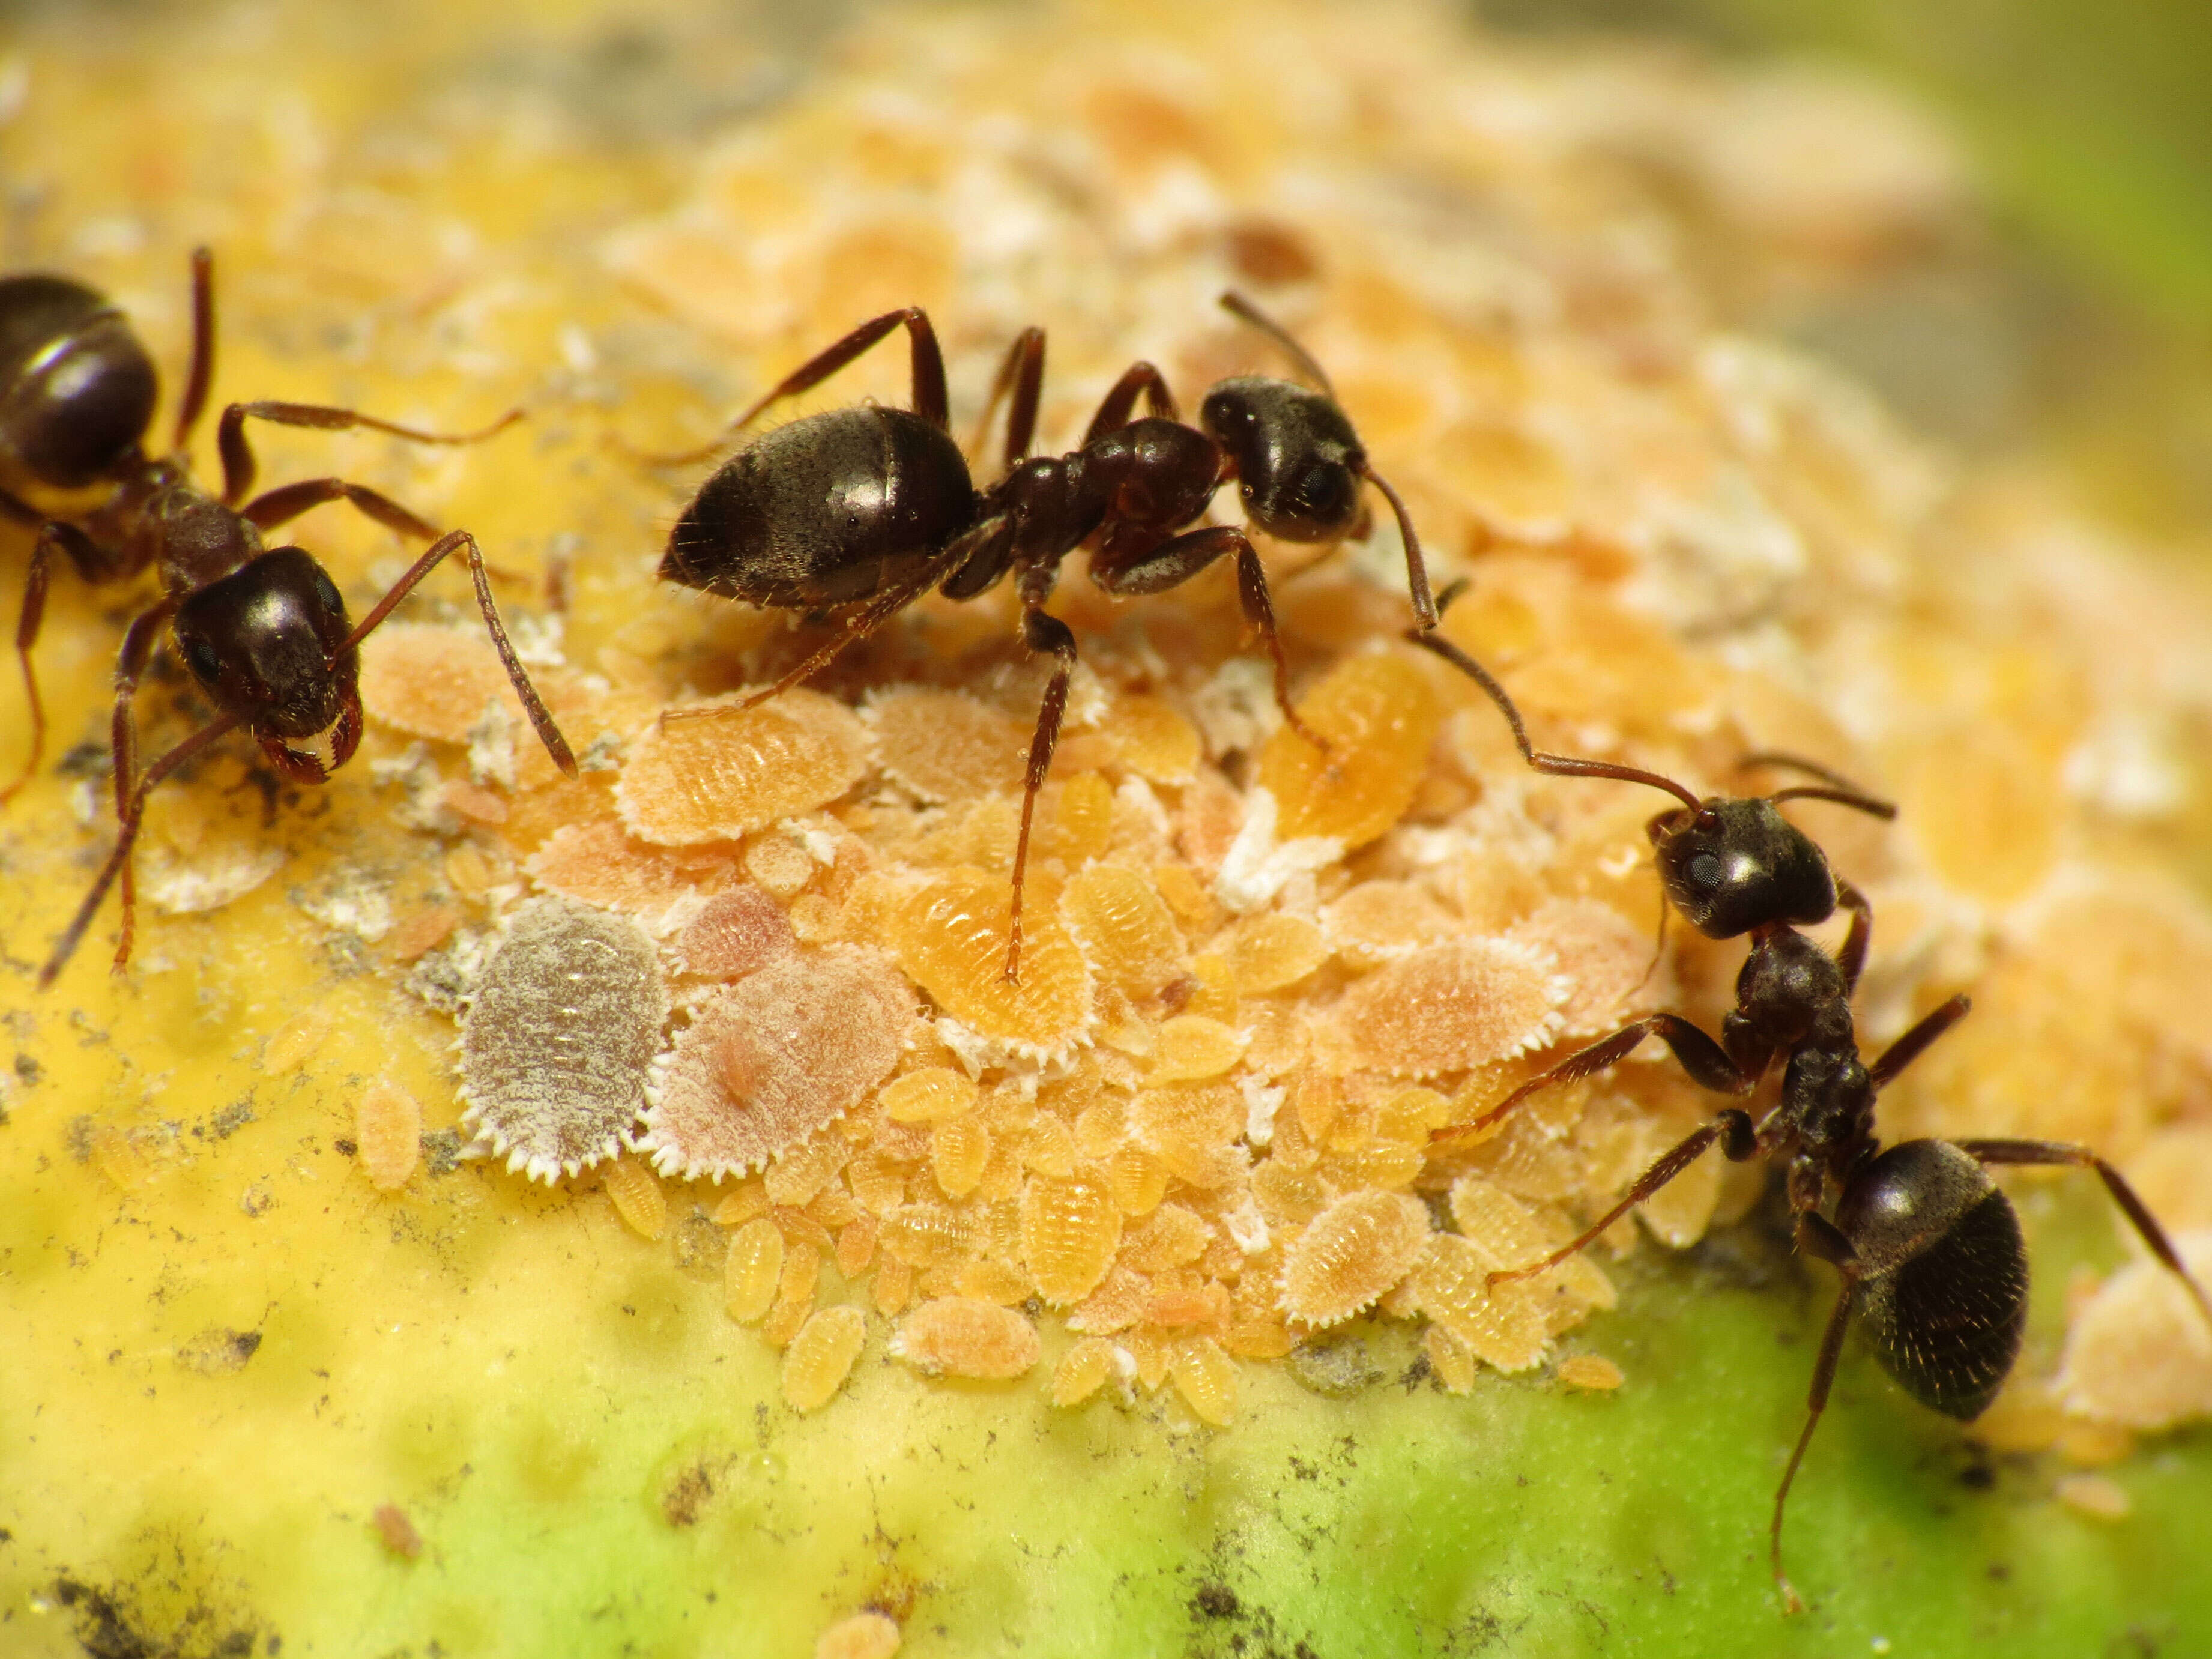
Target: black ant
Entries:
(264, 631)
(1930, 1249)
(1297, 463)
(1729, 865)
(859, 511)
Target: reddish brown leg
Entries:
(1914, 1043)
(118, 861)
(1739, 1141)
(52, 534)
(930, 400)
(202, 372)
(1046, 636)
(1705, 1060)
(138, 643)
(548, 732)
(1022, 373)
(238, 463)
(1658, 944)
(1852, 958)
(1177, 560)
(857, 624)
(2137, 1212)
(1816, 1237)
(274, 507)
(1114, 408)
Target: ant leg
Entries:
(858, 625)
(27, 637)
(1114, 409)
(202, 372)
(1177, 560)
(1705, 1060)
(238, 463)
(1910, 1047)
(274, 507)
(130, 663)
(1560, 766)
(118, 861)
(84, 555)
(1658, 944)
(1417, 568)
(1238, 305)
(548, 732)
(1044, 634)
(1852, 958)
(930, 399)
(2138, 1214)
(1816, 1237)
(1023, 372)
(1739, 1143)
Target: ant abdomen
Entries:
(76, 388)
(1298, 461)
(1943, 1285)
(815, 514)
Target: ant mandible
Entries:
(264, 631)
(859, 511)
(1927, 1246)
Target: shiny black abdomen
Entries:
(76, 388)
(819, 513)
(1947, 1321)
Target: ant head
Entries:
(1299, 462)
(1732, 866)
(76, 388)
(262, 642)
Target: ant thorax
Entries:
(194, 538)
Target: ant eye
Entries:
(1705, 871)
(326, 591)
(200, 657)
(1325, 494)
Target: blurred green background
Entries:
(2079, 330)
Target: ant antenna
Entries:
(1867, 803)
(540, 717)
(1839, 788)
(1238, 305)
(1564, 766)
(1416, 570)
